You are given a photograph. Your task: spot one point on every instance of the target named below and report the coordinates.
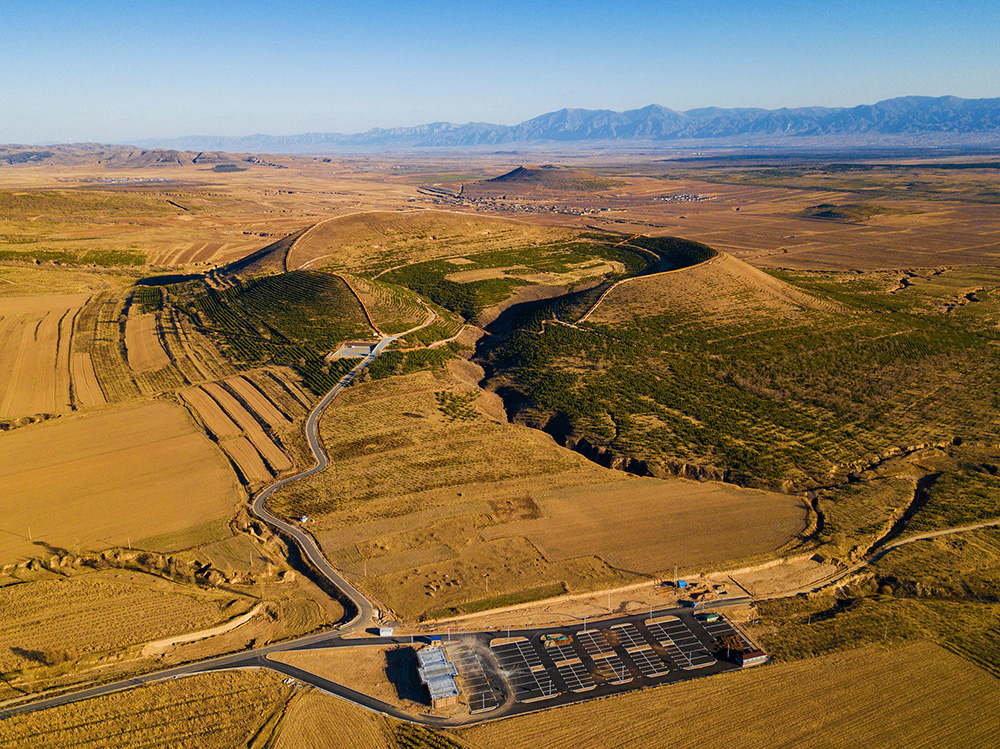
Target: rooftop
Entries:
(437, 672)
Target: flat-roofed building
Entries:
(751, 657)
(438, 673)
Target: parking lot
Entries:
(578, 662)
(681, 644)
(473, 677)
(521, 665)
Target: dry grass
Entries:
(101, 612)
(377, 240)
(363, 669)
(431, 513)
(919, 696)
(103, 479)
(35, 337)
(721, 291)
(223, 710)
(657, 524)
(22, 280)
(314, 719)
(411, 490)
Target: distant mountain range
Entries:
(913, 120)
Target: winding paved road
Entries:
(307, 544)
(364, 617)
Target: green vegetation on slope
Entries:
(291, 318)
(946, 590)
(514, 268)
(110, 258)
(800, 397)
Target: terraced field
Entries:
(242, 419)
(145, 353)
(35, 335)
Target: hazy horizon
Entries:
(111, 72)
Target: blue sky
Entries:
(113, 71)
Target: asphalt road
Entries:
(364, 617)
(257, 658)
(307, 544)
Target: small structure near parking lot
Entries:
(438, 674)
(751, 657)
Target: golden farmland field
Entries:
(217, 710)
(35, 335)
(315, 719)
(98, 612)
(431, 513)
(111, 477)
(145, 352)
(649, 525)
(918, 696)
(237, 430)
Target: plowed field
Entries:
(35, 352)
(145, 353)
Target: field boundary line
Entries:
(158, 646)
(364, 307)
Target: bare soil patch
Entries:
(386, 672)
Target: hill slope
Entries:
(786, 381)
(547, 177)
